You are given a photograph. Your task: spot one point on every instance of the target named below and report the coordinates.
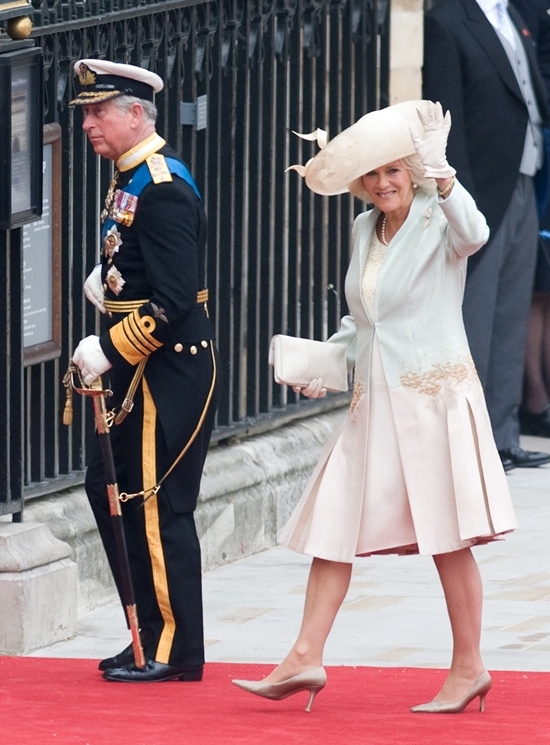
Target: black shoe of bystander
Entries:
(519, 458)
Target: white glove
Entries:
(314, 389)
(91, 359)
(93, 288)
(430, 141)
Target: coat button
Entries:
(204, 343)
(193, 349)
(178, 347)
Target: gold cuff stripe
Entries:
(130, 340)
(140, 330)
(152, 528)
(123, 346)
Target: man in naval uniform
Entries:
(157, 346)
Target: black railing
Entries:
(277, 253)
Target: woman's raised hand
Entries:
(430, 141)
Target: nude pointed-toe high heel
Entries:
(480, 688)
(312, 680)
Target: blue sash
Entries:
(143, 176)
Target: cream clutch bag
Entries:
(296, 362)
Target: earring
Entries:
(415, 186)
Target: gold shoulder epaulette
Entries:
(158, 169)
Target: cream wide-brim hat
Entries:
(378, 138)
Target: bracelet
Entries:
(448, 189)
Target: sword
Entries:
(102, 418)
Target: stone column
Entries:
(38, 588)
(406, 50)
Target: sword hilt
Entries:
(94, 390)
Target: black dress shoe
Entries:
(523, 458)
(535, 424)
(154, 672)
(126, 657)
(507, 463)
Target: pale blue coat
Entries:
(456, 486)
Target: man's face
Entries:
(109, 129)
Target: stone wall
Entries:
(406, 50)
(248, 491)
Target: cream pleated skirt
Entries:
(338, 518)
(356, 502)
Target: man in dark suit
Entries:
(536, 14)
(157, 345)
(534, 414)
(479, 63)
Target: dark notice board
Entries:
(42, 262)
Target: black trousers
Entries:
(165, 561)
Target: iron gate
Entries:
(277, 253)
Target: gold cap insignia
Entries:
(85, 75)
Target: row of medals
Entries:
(120, 206)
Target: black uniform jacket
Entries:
(156, 266)
(468, 71)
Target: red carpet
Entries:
(45, 701)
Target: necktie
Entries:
(504, 24)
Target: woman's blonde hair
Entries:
(413, 164)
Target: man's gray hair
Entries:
(124, 103)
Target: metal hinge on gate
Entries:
(195, 114)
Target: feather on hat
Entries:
(375, 139)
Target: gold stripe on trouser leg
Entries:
(152, 527)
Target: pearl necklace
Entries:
(383, 231)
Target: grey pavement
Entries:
(394, 613)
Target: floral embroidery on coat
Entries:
(358, 390)
(443, 377)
